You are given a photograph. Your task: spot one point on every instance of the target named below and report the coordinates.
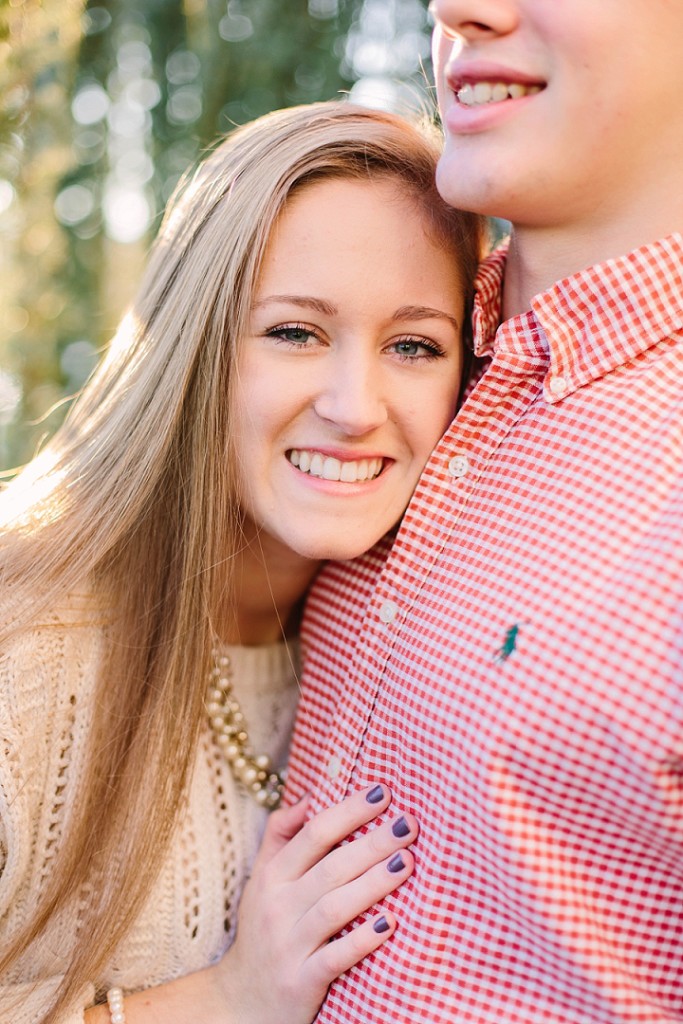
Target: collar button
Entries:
(558, 385)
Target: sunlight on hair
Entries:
(31, 491)
(125, 339)
(175, 217)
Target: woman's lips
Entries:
(328, 467)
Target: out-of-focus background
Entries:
(103, 105)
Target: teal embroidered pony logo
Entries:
(509, 643)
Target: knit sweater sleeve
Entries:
(46, 679)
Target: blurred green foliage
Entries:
(103, 105)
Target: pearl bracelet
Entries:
(115, 1004)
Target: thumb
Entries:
(282, 826)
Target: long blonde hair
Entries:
(137, 493)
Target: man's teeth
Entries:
(328, 468)
(473, 95)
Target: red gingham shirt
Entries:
(513, 670)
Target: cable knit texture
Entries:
(47, 681)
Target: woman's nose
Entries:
(353, 399)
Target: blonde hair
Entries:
(136, 491)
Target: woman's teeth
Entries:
(471, 95)
(328, 468)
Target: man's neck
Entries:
(539, 257)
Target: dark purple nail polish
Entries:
(375, 795)
(396, 864)
(400, 828)
(381, 925)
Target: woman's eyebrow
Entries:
(409, 312)
(305, 301)
(424, 313)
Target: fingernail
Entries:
(396, 864)
(400, 828)
(375, 795)
(381, 925)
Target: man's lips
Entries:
(476, 94)
(328, 467)
(481, 84)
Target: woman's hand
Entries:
(302, 892)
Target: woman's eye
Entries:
(415, 348)
(294, 334)
(408, 348)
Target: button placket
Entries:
(458, 465)
(450, 476)
(388, 611)
(333, 767)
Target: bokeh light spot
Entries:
(10, 397)
(7, 194)
(90, 104)
(73, 204)
(127, 213)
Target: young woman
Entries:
(292, 357)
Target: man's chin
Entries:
(467, 185)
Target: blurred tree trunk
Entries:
(38, 49)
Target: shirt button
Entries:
(458, 466)
(388, 611)
(558, 385)
(333, 767)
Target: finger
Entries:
(353, 859)
(334, 958)
(281, 828)
(338, 908)
(328, 828)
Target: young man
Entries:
(513, 667)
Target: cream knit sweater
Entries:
(188, 922)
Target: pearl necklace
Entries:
(254, 771)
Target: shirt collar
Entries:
(592, 322)
(488, 298)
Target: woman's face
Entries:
(349, 374)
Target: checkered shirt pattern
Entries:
(512, 668)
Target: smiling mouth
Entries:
(326, 467)
(477, 94)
